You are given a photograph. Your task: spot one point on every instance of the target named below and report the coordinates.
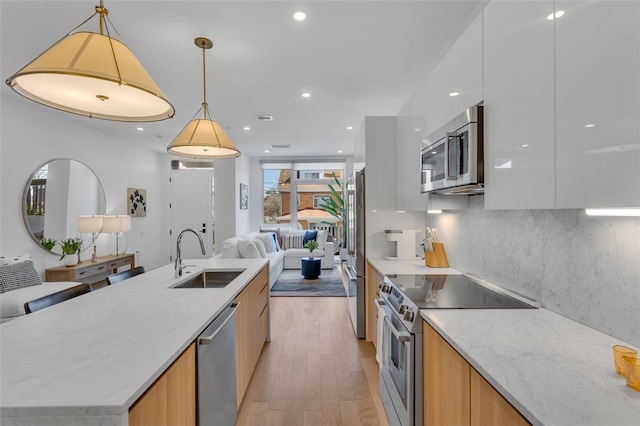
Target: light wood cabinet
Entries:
(446, 382)
(372, 292)
(252, 328)
(455, 394)
(171, 400)
(488, 407)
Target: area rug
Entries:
(292, 283)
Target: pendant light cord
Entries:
(204, 80)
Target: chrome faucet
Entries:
(178, 262)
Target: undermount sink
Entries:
(210, 279)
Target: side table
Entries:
(91, 272)
(311, 267)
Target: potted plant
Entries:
(311, 245)
(48, 243)
(336, 207)
(70, 246)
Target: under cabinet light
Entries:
(613, 212)
(434, 211)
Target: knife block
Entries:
(436, 258)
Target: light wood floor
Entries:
(314, 371)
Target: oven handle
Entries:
(402, 337)
(447, 172)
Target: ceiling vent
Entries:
(282, 146)
(265, 117)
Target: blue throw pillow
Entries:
(308, 236)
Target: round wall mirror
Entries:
(55, 195)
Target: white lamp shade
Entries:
(89, 224)
(203, 138)
(79, 74)
(117, 223)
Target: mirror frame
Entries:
(56, 250)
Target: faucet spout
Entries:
(178, 263)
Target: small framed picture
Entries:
(244, 196)
(137, 202)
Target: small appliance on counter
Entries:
(405, 240)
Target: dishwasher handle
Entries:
(227, 314)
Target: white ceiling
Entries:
(356, 58)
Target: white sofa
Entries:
(283, 257)
(20, 283)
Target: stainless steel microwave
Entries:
(453, 156)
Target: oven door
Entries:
(396, 368)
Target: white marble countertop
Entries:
(554, 370)
(87, 360)
(417, 267)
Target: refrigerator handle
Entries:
(352, 273)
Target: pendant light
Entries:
(94, 75)
(203, 137)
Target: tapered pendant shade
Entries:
(94, 75)
(203, 138)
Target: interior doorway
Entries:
(192, 206)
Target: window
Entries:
(294, 191)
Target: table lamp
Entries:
(116, 225)
(90, 224)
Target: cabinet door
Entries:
(459, 71)
(488, 407)
(598, 104)
(446, 382)
(519, 105)
(373, 279)
(171, 400)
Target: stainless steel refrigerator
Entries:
(356, 260)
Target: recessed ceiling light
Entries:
(525, 145)
(417, 129)
(556, 15)
(247, 128)
(454, 94)
(139, 129)
(299, 16)
(349, 127)
(266, 150)
(589, 125)
(339, 151)
(434, 152)
(306, 95)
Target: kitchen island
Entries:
(88, 360)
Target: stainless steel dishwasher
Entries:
(217, 399)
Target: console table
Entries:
(91, 272)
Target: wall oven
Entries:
(452, 157)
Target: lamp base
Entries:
(117, 244)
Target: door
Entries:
(192, 207)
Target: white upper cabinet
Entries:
(380, 159)
(519, 140)
(459, 71)
(598, 104)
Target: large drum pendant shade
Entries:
(94, 75)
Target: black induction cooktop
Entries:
(453, 292)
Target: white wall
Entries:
(32, 135)
(243, 175)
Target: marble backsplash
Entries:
(584, 268)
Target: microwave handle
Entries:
(447, 171)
